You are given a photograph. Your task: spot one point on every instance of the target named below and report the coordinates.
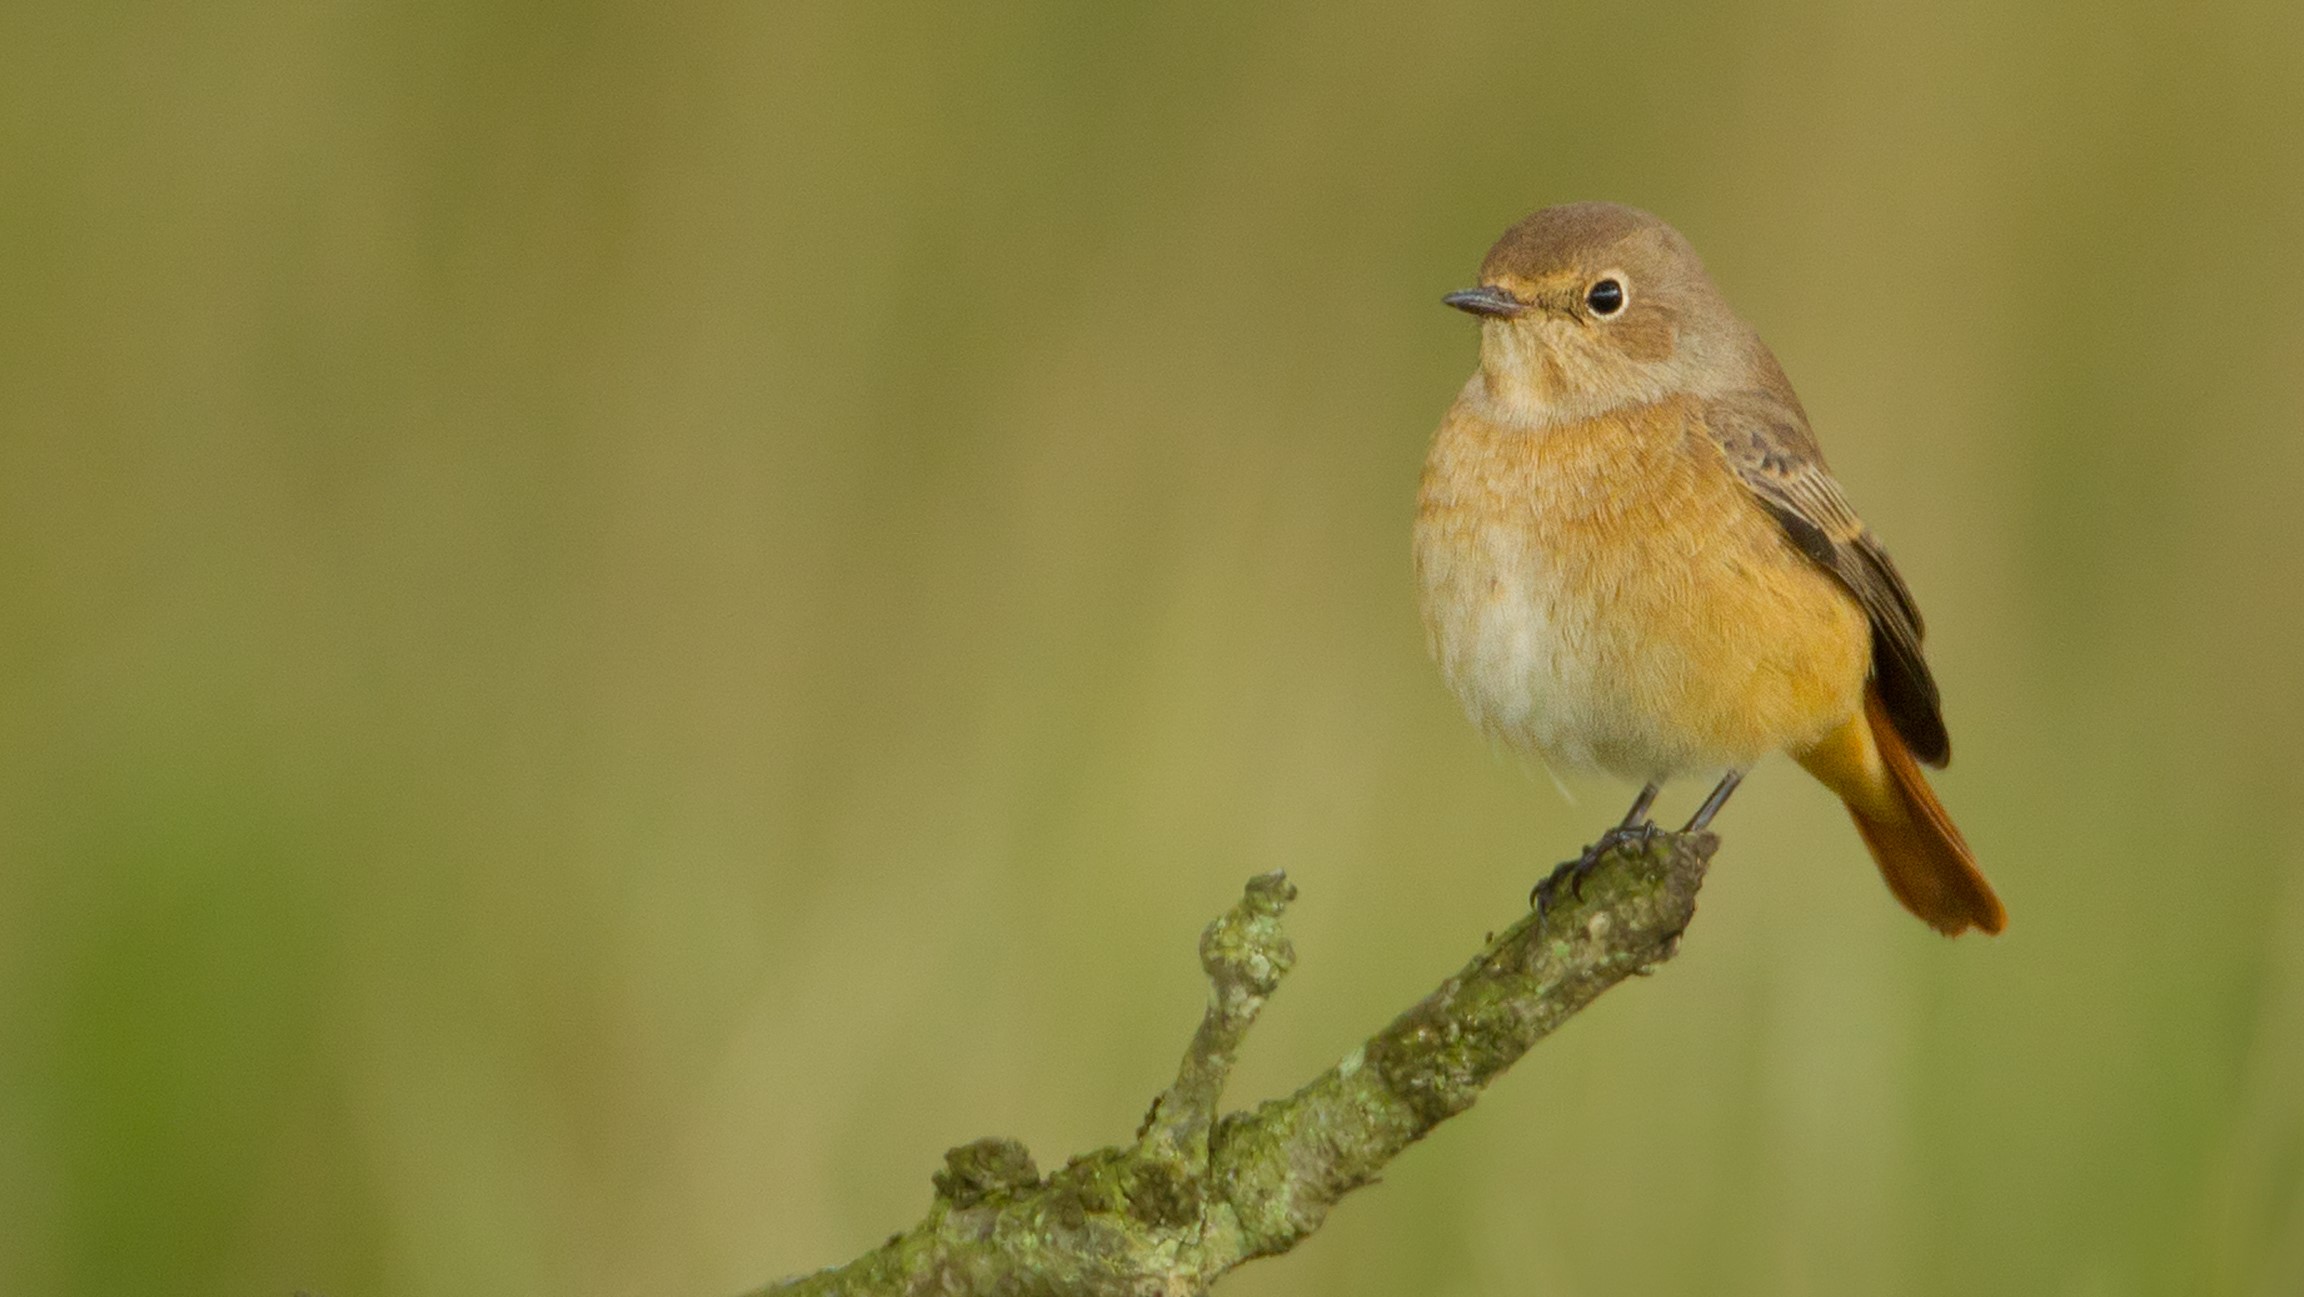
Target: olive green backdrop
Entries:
(619, 622)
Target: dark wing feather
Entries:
(1766, 440)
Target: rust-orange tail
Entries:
(1920, 852)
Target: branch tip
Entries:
(1243, 951)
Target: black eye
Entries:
(1605, 298)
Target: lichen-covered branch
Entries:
(1197, 1193)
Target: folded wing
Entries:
(1766, 439)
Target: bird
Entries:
(1631, 558)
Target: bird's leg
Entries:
(1638, 815)
(1713, 803)
(1636, 827)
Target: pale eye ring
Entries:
(1605, 297)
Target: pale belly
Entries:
(1626, 612)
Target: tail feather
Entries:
(1923, 858)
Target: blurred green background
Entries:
(620, 622)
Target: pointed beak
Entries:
(1487, 300)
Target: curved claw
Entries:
(1574, 872)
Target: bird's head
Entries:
(1590, 307)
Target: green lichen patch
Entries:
(976, 1172)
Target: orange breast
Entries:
(1606, 595)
